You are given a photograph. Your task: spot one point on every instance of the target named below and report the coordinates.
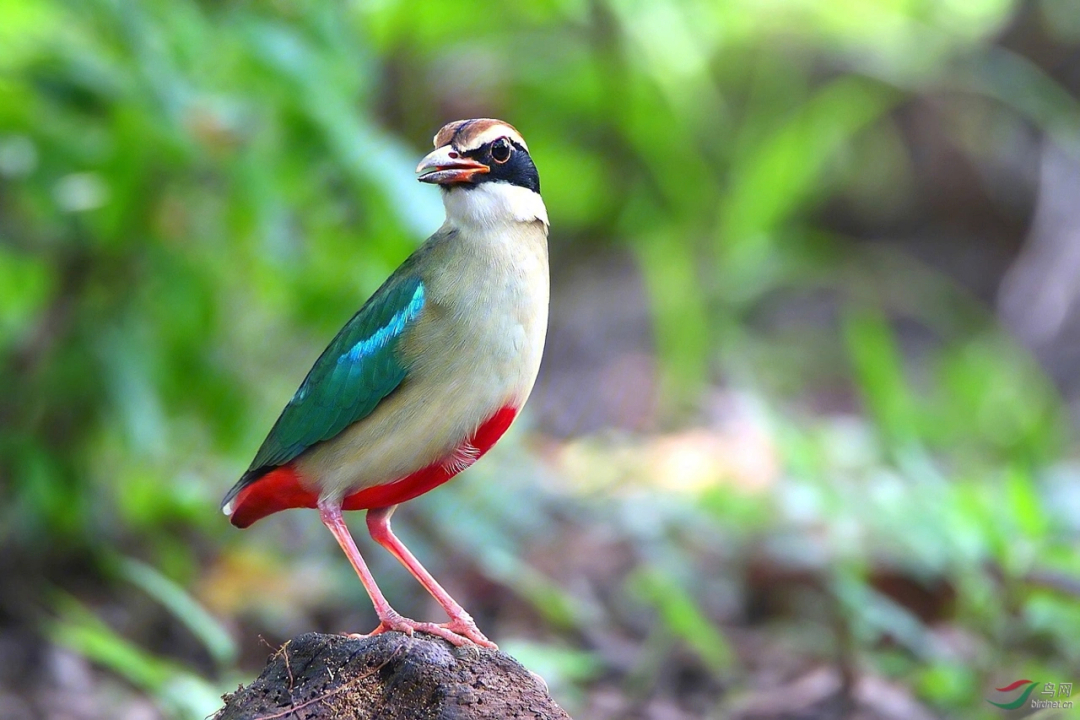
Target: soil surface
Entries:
(389, 676)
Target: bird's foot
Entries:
(465, 627)
(459, 632)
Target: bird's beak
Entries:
(445, 166)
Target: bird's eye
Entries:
(500, 150)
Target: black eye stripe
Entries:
(517, 169)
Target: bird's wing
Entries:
(357, 370)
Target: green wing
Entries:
(357, 370)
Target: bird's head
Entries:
(484, 168)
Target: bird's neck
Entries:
(493, 206)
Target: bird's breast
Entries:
(485, 333)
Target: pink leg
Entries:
(461, 623)
(389, 619)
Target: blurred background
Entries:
(803, 441)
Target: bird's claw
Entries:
(459, 632)
(465, 627)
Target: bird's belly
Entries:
(427, 478)
(428, 422)
(286, 487)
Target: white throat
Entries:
(491, 204)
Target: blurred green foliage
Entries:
(195, 195)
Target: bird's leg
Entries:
(389, 619)
(461, 623)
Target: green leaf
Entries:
(786, 168)
(879, 373)
(185, 608)
(180, 693)
(682, 617)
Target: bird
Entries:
(428, 374)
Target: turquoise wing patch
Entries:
(359, 368)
